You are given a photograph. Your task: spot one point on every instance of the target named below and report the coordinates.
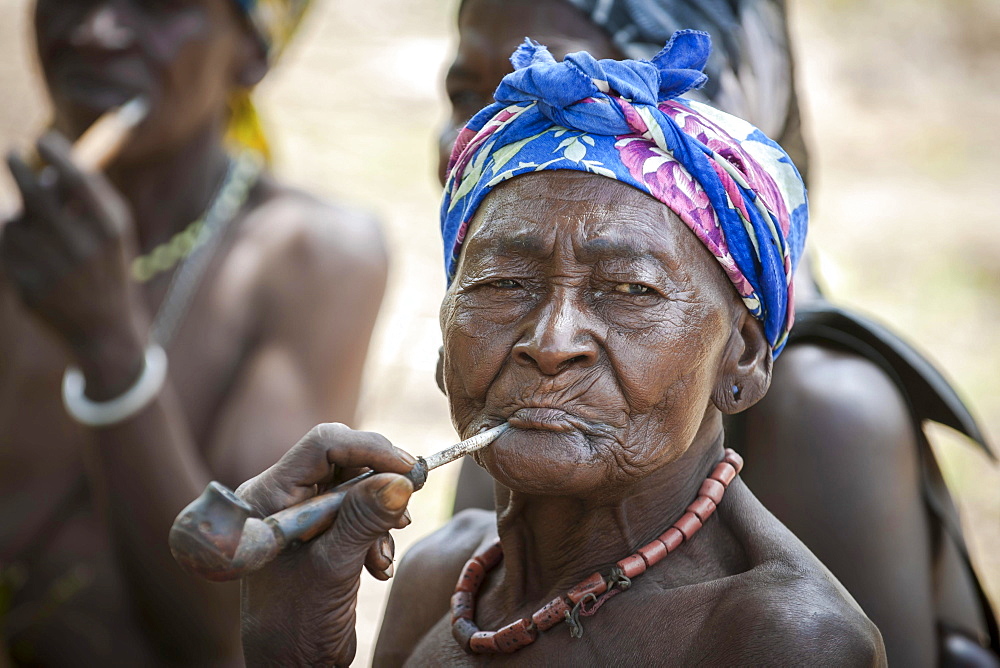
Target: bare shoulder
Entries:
(423, 585)
(785, 614)
(295, 239)
(787, 608)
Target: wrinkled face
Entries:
(184, 56)
(590, 318)
(489, 31)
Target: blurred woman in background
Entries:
(197, 314)
(843, 459)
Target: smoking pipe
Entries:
(218, 537)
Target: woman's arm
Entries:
(67, 256)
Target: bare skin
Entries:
(833, 426)
(273, 342)
(588, 317)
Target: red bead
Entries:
(724, 473)
(671, 538)
(733, 458)
(550, 614)
(652, 552)
(632, 565)
(514, 636)
(713, 489)
(490, 557)
(463, 605)
(472, 577)
(688, 524)
(595, 585)
(483, 642)
(703, 507)
(463, 630)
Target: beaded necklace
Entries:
(241, 175)
(590, 594)
(228, 199)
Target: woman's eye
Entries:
(633, 289)
(505, 284)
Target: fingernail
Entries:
(395, 494)
(406, 457)
(389, 571)
(406, 520)
(384, 550)
(48, 176)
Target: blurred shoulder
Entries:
(425, 581)
(295, 234)
(447, 549)
(825, 387)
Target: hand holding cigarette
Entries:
(65, 251)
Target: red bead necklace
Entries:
(589, 595)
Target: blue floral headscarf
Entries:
(733, 187)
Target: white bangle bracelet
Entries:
(122, 407)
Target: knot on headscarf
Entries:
(625, 120)
(576, 92)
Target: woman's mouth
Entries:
(543, 419)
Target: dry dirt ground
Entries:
(902, 103)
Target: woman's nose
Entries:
(102, 28)
(561, 338)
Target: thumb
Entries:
(370, 509)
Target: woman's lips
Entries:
(544, 419)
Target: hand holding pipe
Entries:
(218, 538)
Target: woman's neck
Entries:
(552, 543)
(171, 190)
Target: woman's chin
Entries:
(543, 461)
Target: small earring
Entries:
(736, 392)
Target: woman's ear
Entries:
(439, 371)
(253, 63)
(745, 371)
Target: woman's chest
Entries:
(620, 633)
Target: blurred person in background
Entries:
(844, 462)
(261, 298)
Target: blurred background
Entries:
(902, 107)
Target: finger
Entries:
(42, 205)
(332, 447)
(315, 460)
(378, 560)
(370, 508)
(40, 202)
(29, 260)
(363, 449)
(91, 188)
(26, 279)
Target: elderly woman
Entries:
(849, 399)
(619, 263)
(204, 314)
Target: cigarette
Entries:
(101, 143)
(468, 446)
